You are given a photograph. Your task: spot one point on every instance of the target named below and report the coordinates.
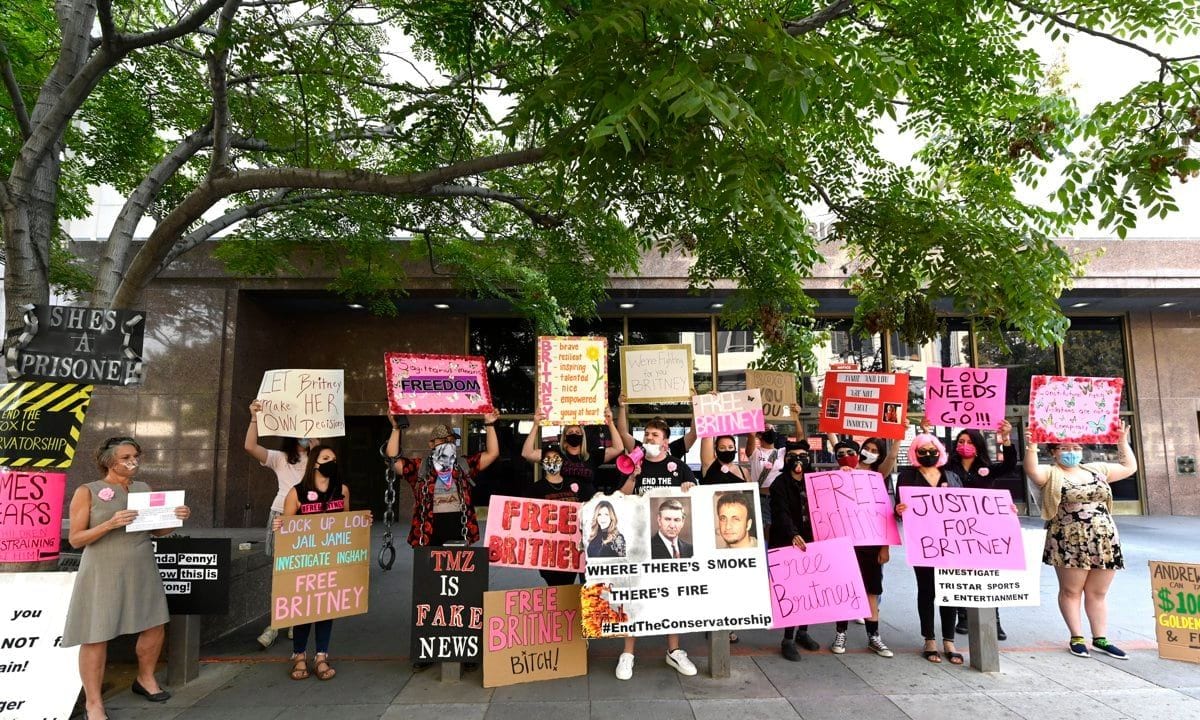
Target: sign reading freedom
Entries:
(437, 384)
(572, 380)
(533, 634)
(1078, 409)
(859, 403)
(90, 346)
(322, 567)
(737, 412)
(853, 504)
(965, 397)
(302, 403)
(40, 423)
(31, 507)
(819, 584)
(968, 529)
(533, 534)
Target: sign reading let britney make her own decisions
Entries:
(79, 345)
(322, 568)
(1077, 409)
(738, 412)
(437, 384)
(302, 403)
(969, 529)
(858, 403)
(572, 380)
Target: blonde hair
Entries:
(1052, 490)
(562, 441)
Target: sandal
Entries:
(299, 666)
(955, 658)
(733, 638)
(932, 656)
(321, 660)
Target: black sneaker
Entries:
(805, 641)
(1104, 646)
(789, 650)
(1078, 649)
(1000, 634)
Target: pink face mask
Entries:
(967, 450)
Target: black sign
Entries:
(79, 345)
(40, 423)
(195, 574)
(448, 586)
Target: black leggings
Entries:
(447, 527)
(300, 636)
(926, 596)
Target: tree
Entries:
(555, 141)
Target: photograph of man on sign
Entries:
(735, 520)
(671, 524)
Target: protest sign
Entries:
(656, 373)
(965, 397)
(859, 403)
(532, 634)
(40, 423)
(669, 562)
(322, 567)
(195, 574)
(996, 588)
(31, 508)
(302, 403)
(437, 384)
(969, 529)
(90, 346)
(533, 534)
(155, 510)
(39, 678)
(778, 392)
(738, 412)
(1175, 589)
(819, 584)
(853, 504)
(447, 604)
(572, 380)
(1079, 409)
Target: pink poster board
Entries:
(738, 412)
(853, 504)
(961, 528)
(965, 397)
(437, 384)
(817, 585)
(31, 507)
(1080, 409)
(534, 534)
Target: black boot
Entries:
(961, 626)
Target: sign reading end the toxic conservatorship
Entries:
(322, 567)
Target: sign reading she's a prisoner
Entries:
(79, 345)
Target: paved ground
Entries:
(1038, 678)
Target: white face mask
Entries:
(868, 457)
(652, 450)
(444, 456)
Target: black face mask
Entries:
(798, 465)
(328, 469)
(770, 436)
(927, 460)
(573, 440)
(726, 456)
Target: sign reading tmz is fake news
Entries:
(968, 529)
(322, 568)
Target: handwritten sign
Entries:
(572, 380)
(437, 384)
(969, 529)
(851, 504)
(656, 373)
(533, 634)
(818, 585)
(778, 392)
(302, 403)
(965, 397)
(322, 568)
(447, 604)
(89, 346)
(860, 403)
(534, 534)
(40, 423)
(738, 412)
(1080, 409)
(997, 588)
(31, 508)
(1175, 592)
(40, 677)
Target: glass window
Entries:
(1022, 358)
(667, 331)
(951, 348)
(843, 347)
(1095, 347)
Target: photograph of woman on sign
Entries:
(605, 539)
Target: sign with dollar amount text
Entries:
(1175, 588)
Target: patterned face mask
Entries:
(443, 457)
(552, 467)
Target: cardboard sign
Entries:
(739, 412)
(1079, 409)
(656, 373)
(853, 504)
(996, 588)
(969, 529)
(195, 574)
(447, 605)
(322, 568)
(860, 403)
(533, 634)
(40, 678)
(965, 397)
(40, 423)
(533, 534)
(31, 508)
(90, 346)
(572, 384)
(655, 569)
(817, 585)
(437, 384)
(777, 390)
(302, 403)
(1175, 591)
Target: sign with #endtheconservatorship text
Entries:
(302, 403)
(322, 567)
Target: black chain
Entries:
(387, 552)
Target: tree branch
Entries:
(108, 31)
(14, 92)
(821, 18)
(542, 220)
(218, 58)
(186, 25)
(1061, 20)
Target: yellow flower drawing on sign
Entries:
(593, 354)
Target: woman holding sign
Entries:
(118, 590)
(553, 486)
(579, 464)
(719, 461)
(791, 524)
(1082, 543)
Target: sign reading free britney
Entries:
(322, 568)
(966, 529)
(534, 534)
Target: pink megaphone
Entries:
(628, 462)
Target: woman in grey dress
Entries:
(118, 590)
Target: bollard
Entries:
(451, 672)
(981, 637)
(183, 649)
(718, 654)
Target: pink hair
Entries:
(921, 441)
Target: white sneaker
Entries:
(267, 639)
(839, 643)
(859, 621)
(678, 659)
(876, 644)
(625, 666)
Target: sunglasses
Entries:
(795, 458)
(927, 453)
(846, 453)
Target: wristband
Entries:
(489, 424)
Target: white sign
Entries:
(38, 677)
(155, 510)
(997, 588)
(302, 403)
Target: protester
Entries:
(927, 456)
(1082, 542)
(553, 486)
(678, 448)
(605, 539)
(766, 463)
(579, 463)
(792, 525)
(719, 461)
(118, 590)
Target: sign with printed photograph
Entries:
(964, 397)
(532, 634)
(420, 384)
(997, 588)
(533, 534)
(89, 346)
(322, 567)
(738, 412)
(777, 390)
(816, 585)
(962, 528)
(656, 373)
(853, 504)
(40, 423)
(861, 403)
(302, 403)
(40, 678)
(1079, 409)
(195, 574)
(1175, 592)
(31, 510)
(572, 380)
(674, 562)
(447, 603)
